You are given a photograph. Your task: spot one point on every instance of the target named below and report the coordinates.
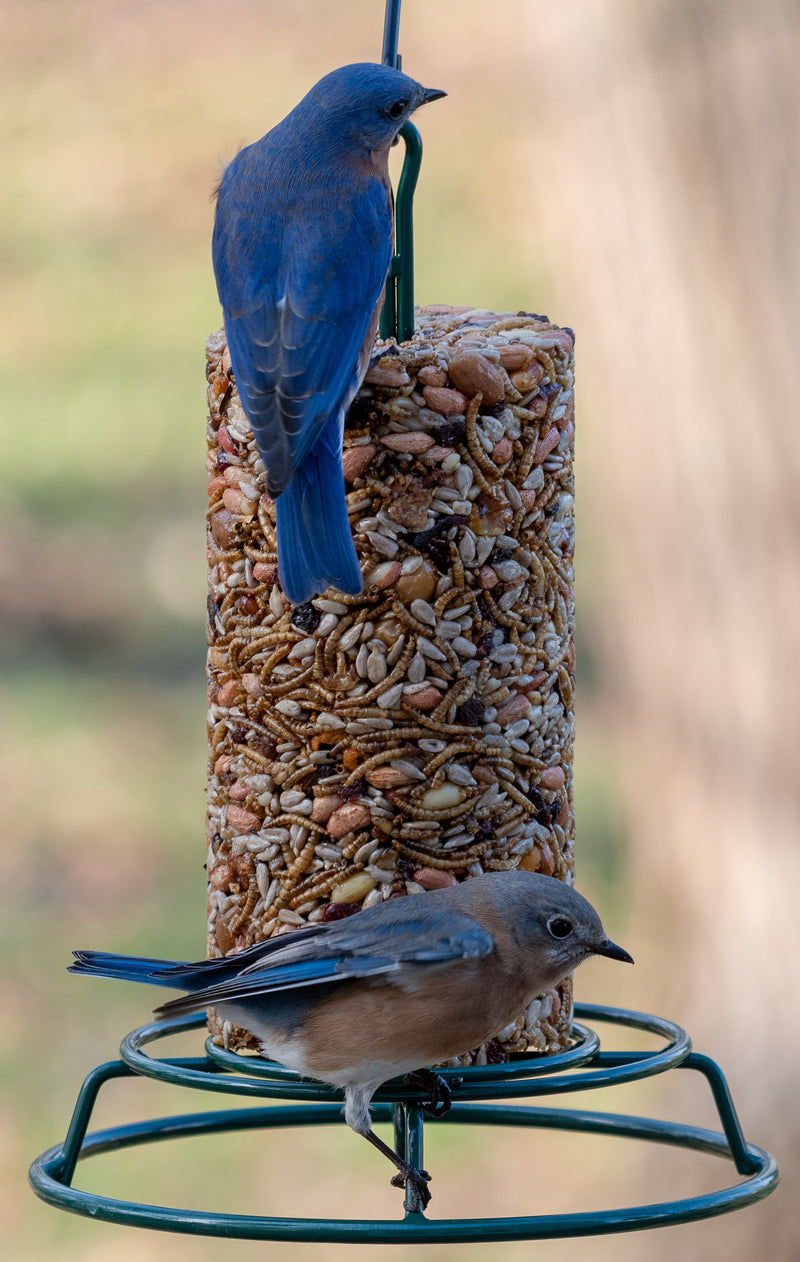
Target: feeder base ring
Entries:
(52, 1173)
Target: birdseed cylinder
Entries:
(377, 746)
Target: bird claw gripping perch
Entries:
(439, 1090)
(417, 1181)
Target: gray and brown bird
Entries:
(399, 987)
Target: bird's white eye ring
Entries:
(559, 926)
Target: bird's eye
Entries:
(397, 110)
(559, 926)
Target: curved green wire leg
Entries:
(52, 1173)
(397, 315)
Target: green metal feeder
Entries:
(478, 1095)
(478, 1092)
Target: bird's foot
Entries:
(417, 1181)
(408, 1177)
(440, 1094)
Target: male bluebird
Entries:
(302, 246)
(404, 985)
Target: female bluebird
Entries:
(401, 986)
(302, 246)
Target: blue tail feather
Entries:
(315, 542)
(129, 968)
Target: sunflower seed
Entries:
(430, 650)
(423, 611)
(391, 697)
(376, 666)
(327, 624)
(416, 669)
(382, 544)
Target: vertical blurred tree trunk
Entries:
(685, 271)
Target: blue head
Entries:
(367, 102)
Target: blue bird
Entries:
(399, 987)
(301, 248)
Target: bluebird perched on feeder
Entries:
(399, 987)
(302, 246)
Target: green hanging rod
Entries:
(397, 315)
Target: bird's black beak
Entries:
(613, 951)
(432, 94)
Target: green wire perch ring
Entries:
(584, 1066)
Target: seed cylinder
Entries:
(378, 746)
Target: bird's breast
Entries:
(428, 1016)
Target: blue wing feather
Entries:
(298, 287)
(347, 950)
(406, 933)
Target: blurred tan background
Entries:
(630, 168)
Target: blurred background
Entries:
(630, 167)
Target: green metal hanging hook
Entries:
(397, 315)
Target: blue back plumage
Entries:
(301, 248)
